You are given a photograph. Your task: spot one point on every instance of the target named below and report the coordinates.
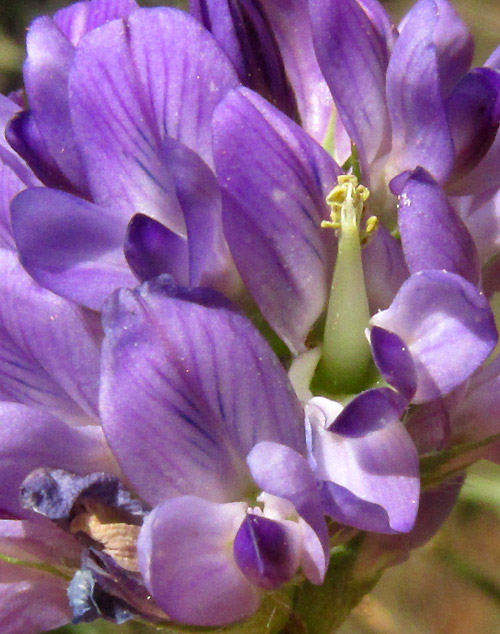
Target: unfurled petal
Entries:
(366, 461)
(276, 180)
(283, 472)
(432, 233)
(188, 388)
(474, 115)
(49, 356)
(481, 214)
(30, 439)
(189, 567)
(420, 129)
(152, 249)
(445, 324)
(353, 54)
(77, 248)
(135, 82)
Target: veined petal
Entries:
(49, 356)
(353, 55)
(276, 180)
(190, 386)
(447, 326)
(432, 233)
(130, 90)
(189, 567)
(77, 248)
(31, 438)
(420, 129)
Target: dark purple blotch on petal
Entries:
(262, 552)
(394, 361)
(474, 116)
(152, 249)
(369, 411)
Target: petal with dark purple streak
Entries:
(188, 388)
(126, 97)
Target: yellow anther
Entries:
(346, 201)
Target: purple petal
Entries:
(24, 137)
(263, 552)
(126, 91)
(46, 72)
(394, 361)
(432, 233)
(281, 471)
(31, 601)
(313, 96)
(188, 567)
(384, 267)
(152, 249)
(367, 462)
(474, 116)
(244, 33)
(354, 59)
(49, 356)
(38, 543)
(190, 386)
(447, 326)
(429, 426)
(454, 44)
(420, 130)
(276, 179)
(199, 195)
(8, 110)
(30, 439)
(76, 251)
(81, 17)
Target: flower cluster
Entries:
(247, 331)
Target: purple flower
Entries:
(118, 139)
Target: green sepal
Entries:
(433, 466)
(323, 609)
(35, 565)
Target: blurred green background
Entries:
(452, 586)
